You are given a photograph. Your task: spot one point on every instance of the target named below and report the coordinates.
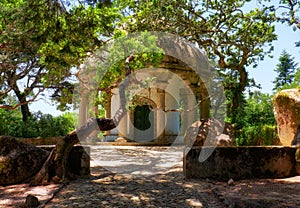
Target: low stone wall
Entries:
(40, 141)
(242, 163)
(78, 161)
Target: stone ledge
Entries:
(41, 141)
(242, 163)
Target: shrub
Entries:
(38, 125)
(257, 135)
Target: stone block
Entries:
(241, 163)
(78, 161)
(209, 132)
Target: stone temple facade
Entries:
(164, 101)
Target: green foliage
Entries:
(39, 125)
(229, 36)
(257, 135)
(295, 83)
(256, 124)
(290, 14)
(109, 62)
(259, 110)
(41, 40)
(285, 69)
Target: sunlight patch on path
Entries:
(136, 160)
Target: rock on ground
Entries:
(19, 161)
(209, 132)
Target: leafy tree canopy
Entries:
(41, 40)
(231, 37)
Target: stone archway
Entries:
(172, 77)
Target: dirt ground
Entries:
(15, 195)
(277, 193)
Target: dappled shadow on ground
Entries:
(136, 177)
(105, 189)
(139, 161)
(15, 195)
(277, 193)
(170, 189)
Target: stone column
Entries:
(189, 113)
(108, 111)
(83, 109)
(122, 128)
(160, 117)
(204, 106)
(131, 124)
(85, 79)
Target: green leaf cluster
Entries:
(42, 42)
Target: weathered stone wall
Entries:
(242, 163)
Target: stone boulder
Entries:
(287, 114)
(209, 131)
(19, 161)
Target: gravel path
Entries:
(104, 189)
(15, 195)
(145, 177)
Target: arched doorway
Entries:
(143, 123)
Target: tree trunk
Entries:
(24, 108)
(238, 93)
(25, 112)
(54, 169)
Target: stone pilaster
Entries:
(160, 116)
(122, 127)
(189, 113)
(83, 109)
(108, 111)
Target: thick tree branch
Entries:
(12, 107)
